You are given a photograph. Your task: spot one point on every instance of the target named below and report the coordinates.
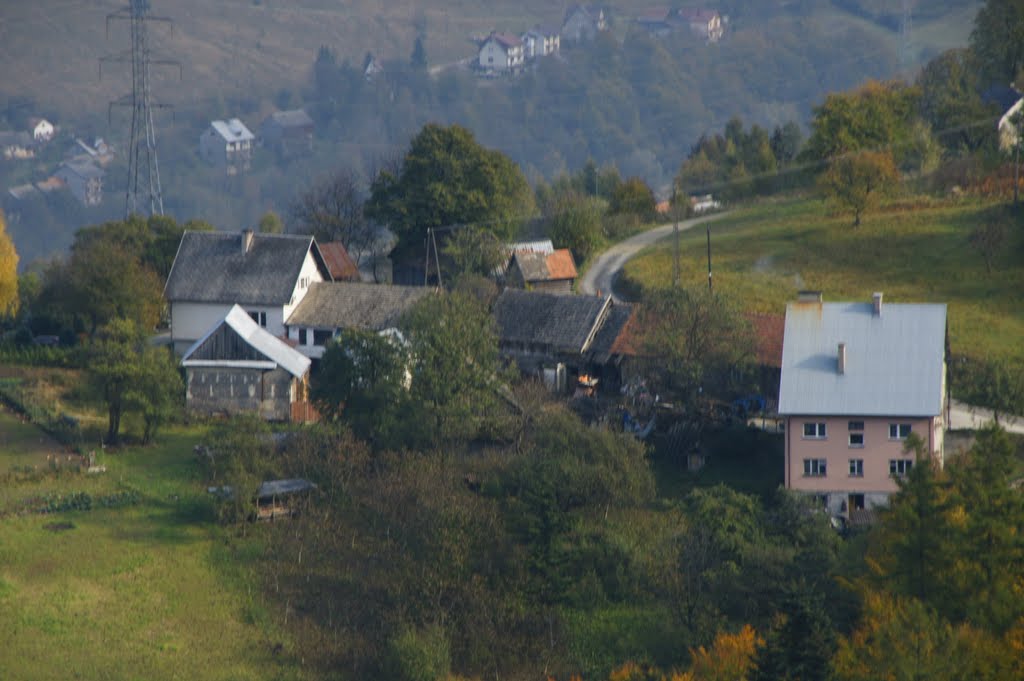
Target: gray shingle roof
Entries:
(210, 267)
(347, 305)
(562, 323)
(274, 350)
(895, 361)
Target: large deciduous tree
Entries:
(448, 178)
(333, 211)
(998, 40)
(951, 103)
(856, 181)
(8, 272)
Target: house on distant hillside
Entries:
(41, 129)
(658, 21)
(16, 146)
(289, 133)
(1009, 128)
(501, 53)
(268, 275)
(560, 338)
(857, 380)
(704, 23)
(541, 42)
(331, 307)
(84, 178)
(237, 367)
(372, 68)
(552, 272)
(227, 145)
(582, 23)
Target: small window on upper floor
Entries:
(814, 431)
(899, 431)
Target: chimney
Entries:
(808, 296)
(842, 359)
(877, 299)
(246, 240)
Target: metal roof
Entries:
(233, 130)
(895, 360)
(276, 488)
(274, 349)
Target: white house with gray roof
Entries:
(857, 379)
(227, 145)
(268, 275)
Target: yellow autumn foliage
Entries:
(8, 272)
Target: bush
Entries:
(419, 654)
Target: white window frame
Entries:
(815, 468)
(820, 432)
(899, 468)
(856, 468)
(900, 431)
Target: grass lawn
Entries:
(155, 590)
(914, 250)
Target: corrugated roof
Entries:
(233, 130)
(210, 267)
(339, 262)
(276, 488)
(894, 361)
(540, 266)
(272, 348)
(354, 305)
(562, 323)
(561, 265)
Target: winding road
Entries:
(601, 275)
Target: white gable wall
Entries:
(308, 275)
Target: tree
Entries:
(447, 178)
(576, 224)
(799, 644)
(785, 143)
(474, 250)
(157, 390)
(730, 657)
(271, 223)
(333, 211)
(856, 181)
(700, 340)
(418, 60)
(998, 40)
(454, 364)
(989, 239)
(364, 381)
(114, 368)
(633, 197)
(8, 272)
(950, 100)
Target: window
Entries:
(900, 467)
(856, 425)
(814, 468)
(856, 468)
(302, 336)
(815, 431)
(259, 317)
(856, 439)
(321, 337)
(899, 431)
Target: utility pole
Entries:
(906, 29)
(707, 226)
(143, 169)
(675, 233)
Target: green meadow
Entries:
(913, 250)
(145, 585)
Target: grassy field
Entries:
(149, 590)
(914, 250)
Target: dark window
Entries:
(814, 430)
(856, 425)
(814, 468)
(321, 337)
(856, 468)
(899, 431)
(900, 467)
(856, 439)
(302, 336)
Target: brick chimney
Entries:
(876, 298)
(246, 240)
(841, 357)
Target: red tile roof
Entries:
(339, 262)
(561, 265)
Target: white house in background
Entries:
(268, 275)
(41, 129)
(1008, 131)
(704, 23)
(227, 145)
(857, 380)
(541, 42)
(502, 52)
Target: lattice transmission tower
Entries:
(906, 28)
(143, 168)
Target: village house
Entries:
(501, 53)
(541, 42)
(289, 133)
(84, 178)
(857, 380)
(1009, 129)
(658, 21)
(16, 146)
(560, 338)
(704, 23)
(267, 274)
(553, 272)
(238, 367)
(372, 68)
(41, 129)
(331, 307)
(583, 23)
(227, 145)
